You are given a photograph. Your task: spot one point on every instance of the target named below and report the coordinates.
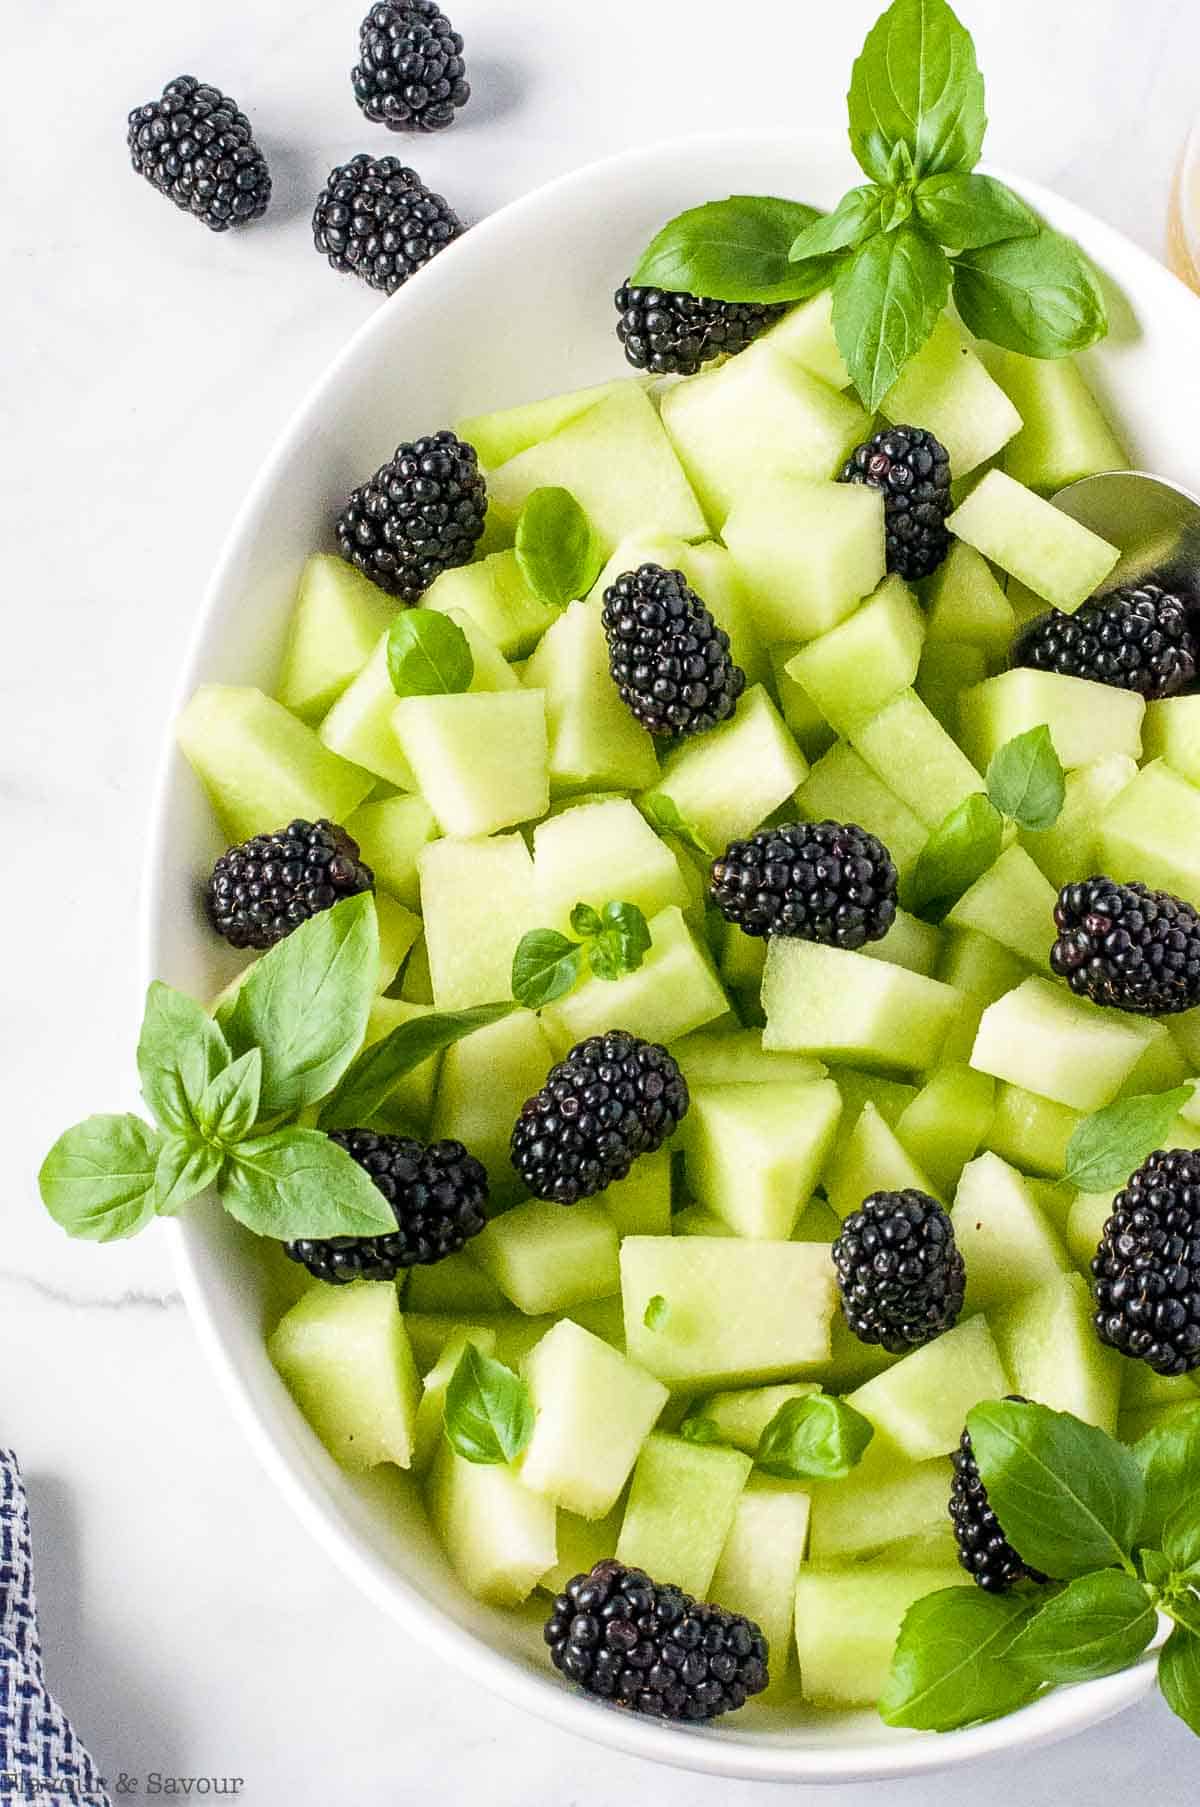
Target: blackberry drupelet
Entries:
(1147, 1268)
(195, 146)
(1128, 947)
(912, 469)
(673, 334)
(438, 1193)
(266, 887)
(376, 218)
(983, 1549)
(830, 882)
(670, 661)
(899, 1271)
(419, 515)
(410, 74)
(1141, 639)
(653, 1648)
(612, 1099)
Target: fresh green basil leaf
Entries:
(545, 966)
(855, 218)
(1179, 1676)
(296, 1182)
(1035, 295)
(1026, 781)
(886, 301)
(699, 1429)
(622, 942)
(656, 1313)
(585, 921)
(373, 1075)
(917, 85)
(428, 654)
(559, 555)
(180, 1052)
(966, 211)
(1183, 1605)
(228, 1110)
(663, 813)
(1098, 1624)
(1068, 1495)
(1169, 1458)
(1106, 1147)
(960, 850)
(306, 1003)
(950, 1666)
(1181, 1535)
(97, 1182)
(488, 1414)
(733, 250)
(1153, 1566)
(186, 1167)
(818, 1438)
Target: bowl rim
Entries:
(755, 1755)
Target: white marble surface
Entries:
(191, 1627)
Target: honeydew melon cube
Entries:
(1013, 904)
(1150, 832)
(1052, 1355)
(454, 1287)
(345, 1357)
(818, 1222)
(946, 670)
(359, 727)
(1161, 1067)
(1064, 434)
(758, 1565)
(499, 435)
(544, 1258)
(736, 1311)
(808, 553)
(498, 1535)
(946, 1122)
(738, 1057)
(841, 787)
(673, 991)
(909, 942)
(850, 1362)
(494, 594)
(947, 389)
(1086, 1219)
(1134, 1425)
(577, 1385)
(710, 571)
(854, 669)
(1069, 849)
(753, 1153)
(681, 1508)
(876, 1505)
(927, 1549)
(725, 783)
(1035, 542)
(417, 986)
(978, 965)
(1005, 1238)
(640, 1204)
(398, 930)
(742, 959)
(966, 605)
(889, 1096)
(390, 835)
(807, 726)
(431, 1410)
(491, 670)
(485, 1079)
(694, 1220)
(758, 416)
(442, 738)
(1031, 1132)
(411, 1098)
(594, 740)
(431, 1332)
(743, 1414)
(477, 898)
(872, 1160)
(806, 336)
(1171, 732)
(1041, 1037)
(260, 766)
(1087, 721)
(582, 1543)
(598, 853)
(908, 748)
(920, 1405)
(849, 1009)
(1184, 1030)
(1141, 1386)
(1027, 605)
(847, 1624)
(336, 625)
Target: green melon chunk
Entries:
(808, 553)
(498, 1535)
(710, 1057)
(805, 335)
(1031, 1132)
(1064, 434)
(841, 787)
(1086, 721)
(411, 1098)
(979, 966)
(1070, 849)
(1005, 1238)
(947, 389)
(753, 1153)
(1161, 1067)
(1150, 832)
(1034, 541)
(854, 669)
(1085, 1226)
(909, 942)
(582, 1543)
(847, 1623)
(906, 747)
(1050, 1349)
(417, 985)
(849, 1009)
(1013, 904)
(758, 1565)
(494, 594)
(967, 606)
(743, 1414)
(594, 741)
(873, 1160)
(576, 1385)
(359, 727)
(725, 783)
(455, 1286)
(390, 835)
(947, 669)
(694, 1220)
(345, 1357)
(431, 1412)
(442, 736)
(889, 1096)
(947, 1122)
(501, 434)
(598, 853)
(1171, 732)
(336, 625)
(546, 1259)
(1041, 1037)
(742, 959)
(680, 1511)
(878, 1504)
(478, 900)
(1141, 1386)
(640, 1204)
(398, 930)
(926, 1549)
(807, 726)
(485, 1079)
(674, 990)
(920, 1405)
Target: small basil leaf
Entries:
(428, 654)
(916, 85)
(699, 1429)
(559, 555)
(656, 1313)
(585, 921)
(180, 1052)
(186, 1167)
(856, 216)
(1153, 1565)
(545, 966)
(1035, 295)
(97, 1182)
(374, 1074)
(488, 1415)
(950, 1666)
(296, 1182)
(1106, 1147)
(966, 211)
(622, 943)
(663, 813)
(1099, 1624)
(886, 301)
(1181, 1537)
(820, 1438)
(1179, 1676)
(228, 1110)
(1169, 1458)
(1026, 781)
(1183, 1605)
(960, 850)
(733, 250)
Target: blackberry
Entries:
(1139, 639)
(912, 469)
(1147, 1268)
(899, 1271)
(613, 1098)
(194, 146)
(653, 1648)
(438, 1193)
(673, 334)
(670, 661)
(266, 887)
(376, 218)
(410, 74)
(983, 1549)
(1128, 947)
(419, 515)
(826, 881)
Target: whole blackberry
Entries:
(266, 887)
(195, 146)
(1139, 639)
(825, 881)
(410, 74)
(912, 469)
(983, 1549)
(613, 1098)
(1147, 1268)
(673, 334)
(438, 1193)
(899, 1271)
(652, 1648)
(1128, 947)
(419, 515)
(669, 660)
(376, 218)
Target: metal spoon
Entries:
(1154, 523)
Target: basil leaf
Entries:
(1154, 1567)
(373, 1075)
(488, 1414)
(97, 1182)
(656, 1313)
(296, 1182)
(662, 812)
(1100, 1623)
(306, 1003)
(733, 250)
(545, 966)
(1179, 1676)
(180, 1052)
(1034, 295)
(856, 217)
(1181, 1536)
(950, 1667)
(428, 654)
(559, 555)
(1183, 1605)
(699, 1429)
(1169, 1458)
(622, 944)
(1106, 1147)
(960, 850)
(585, 921)
(1068, 1495)
(886, 301)
(966, 211)
(916, 84)
(820, 1437)
(228, 1110)
(1026, 781)
(186, 1167)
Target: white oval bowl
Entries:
(517, 309)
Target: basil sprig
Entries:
(547, 965)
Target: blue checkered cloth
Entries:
(42, 1763)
